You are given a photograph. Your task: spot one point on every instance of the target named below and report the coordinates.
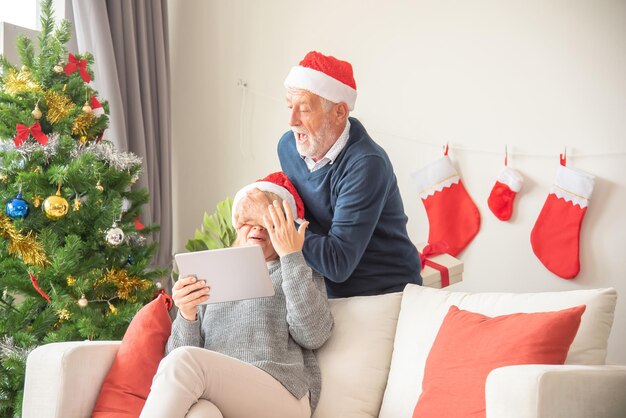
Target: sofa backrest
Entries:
(423, 309)
(355, 360)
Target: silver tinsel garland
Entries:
(8, 348)
(29, 147)
(104, 151)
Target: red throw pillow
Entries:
(127, 384)
(469, 345)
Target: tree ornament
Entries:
(76, 204)
(71, 280)
(59, 106)
(39, 290)
(83, 139)
(75, 64)
(17, 208)
(99, 186)
(56, 206)
(37, 200)
(58, 69)
(63, 314)
(115, 235)
(83, 302)
(96, 107)
(36, 112)
(112, 308)
(86, 107)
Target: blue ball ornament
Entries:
(17, 208)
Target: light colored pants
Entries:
(233, 388)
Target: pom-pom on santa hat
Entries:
(279, 184)
(325, 76)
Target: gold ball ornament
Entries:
(99, 186)
(83, 302)
(36, 112)
(55, 207)
(86, 107)
(58, 69)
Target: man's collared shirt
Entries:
(332, 153)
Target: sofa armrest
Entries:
(555, 391)
(64, 379)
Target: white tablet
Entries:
(233, 273)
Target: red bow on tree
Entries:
(23, 131)
(76, 64)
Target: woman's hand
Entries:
(188, 293)
(282, 229)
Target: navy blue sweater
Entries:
(357, 237)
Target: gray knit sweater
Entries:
(274, 333)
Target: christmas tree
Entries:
(74, 259)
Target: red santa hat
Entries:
(279, 184)
(96, 107)
(325, 76)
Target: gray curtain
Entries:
(129, 40)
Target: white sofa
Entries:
(373, 364)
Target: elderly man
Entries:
(357, 237)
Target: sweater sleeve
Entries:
(308, 311)
(185, 333)
(361, 196)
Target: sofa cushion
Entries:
(126, 386)
(422, 312)
(354, 362)
(470, 345)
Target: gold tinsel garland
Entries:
(59, 106)
(124, 283)
(19, 82)
(82, 123)
(24, 246)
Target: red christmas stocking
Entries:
(503, 193)
(452, 215)
(555, 236)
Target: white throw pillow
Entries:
(422, 312)
(355, 360)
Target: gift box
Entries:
(435, 265)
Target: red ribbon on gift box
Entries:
(431, 250)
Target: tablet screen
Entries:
(233, 273)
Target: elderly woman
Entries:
(250, 358)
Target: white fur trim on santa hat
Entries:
(266, 186)
(573, 185)
(511, 178)
(321, 84)
(435, 177)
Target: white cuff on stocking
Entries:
(573, 186)
(435, 177)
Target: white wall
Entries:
(536, 75)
